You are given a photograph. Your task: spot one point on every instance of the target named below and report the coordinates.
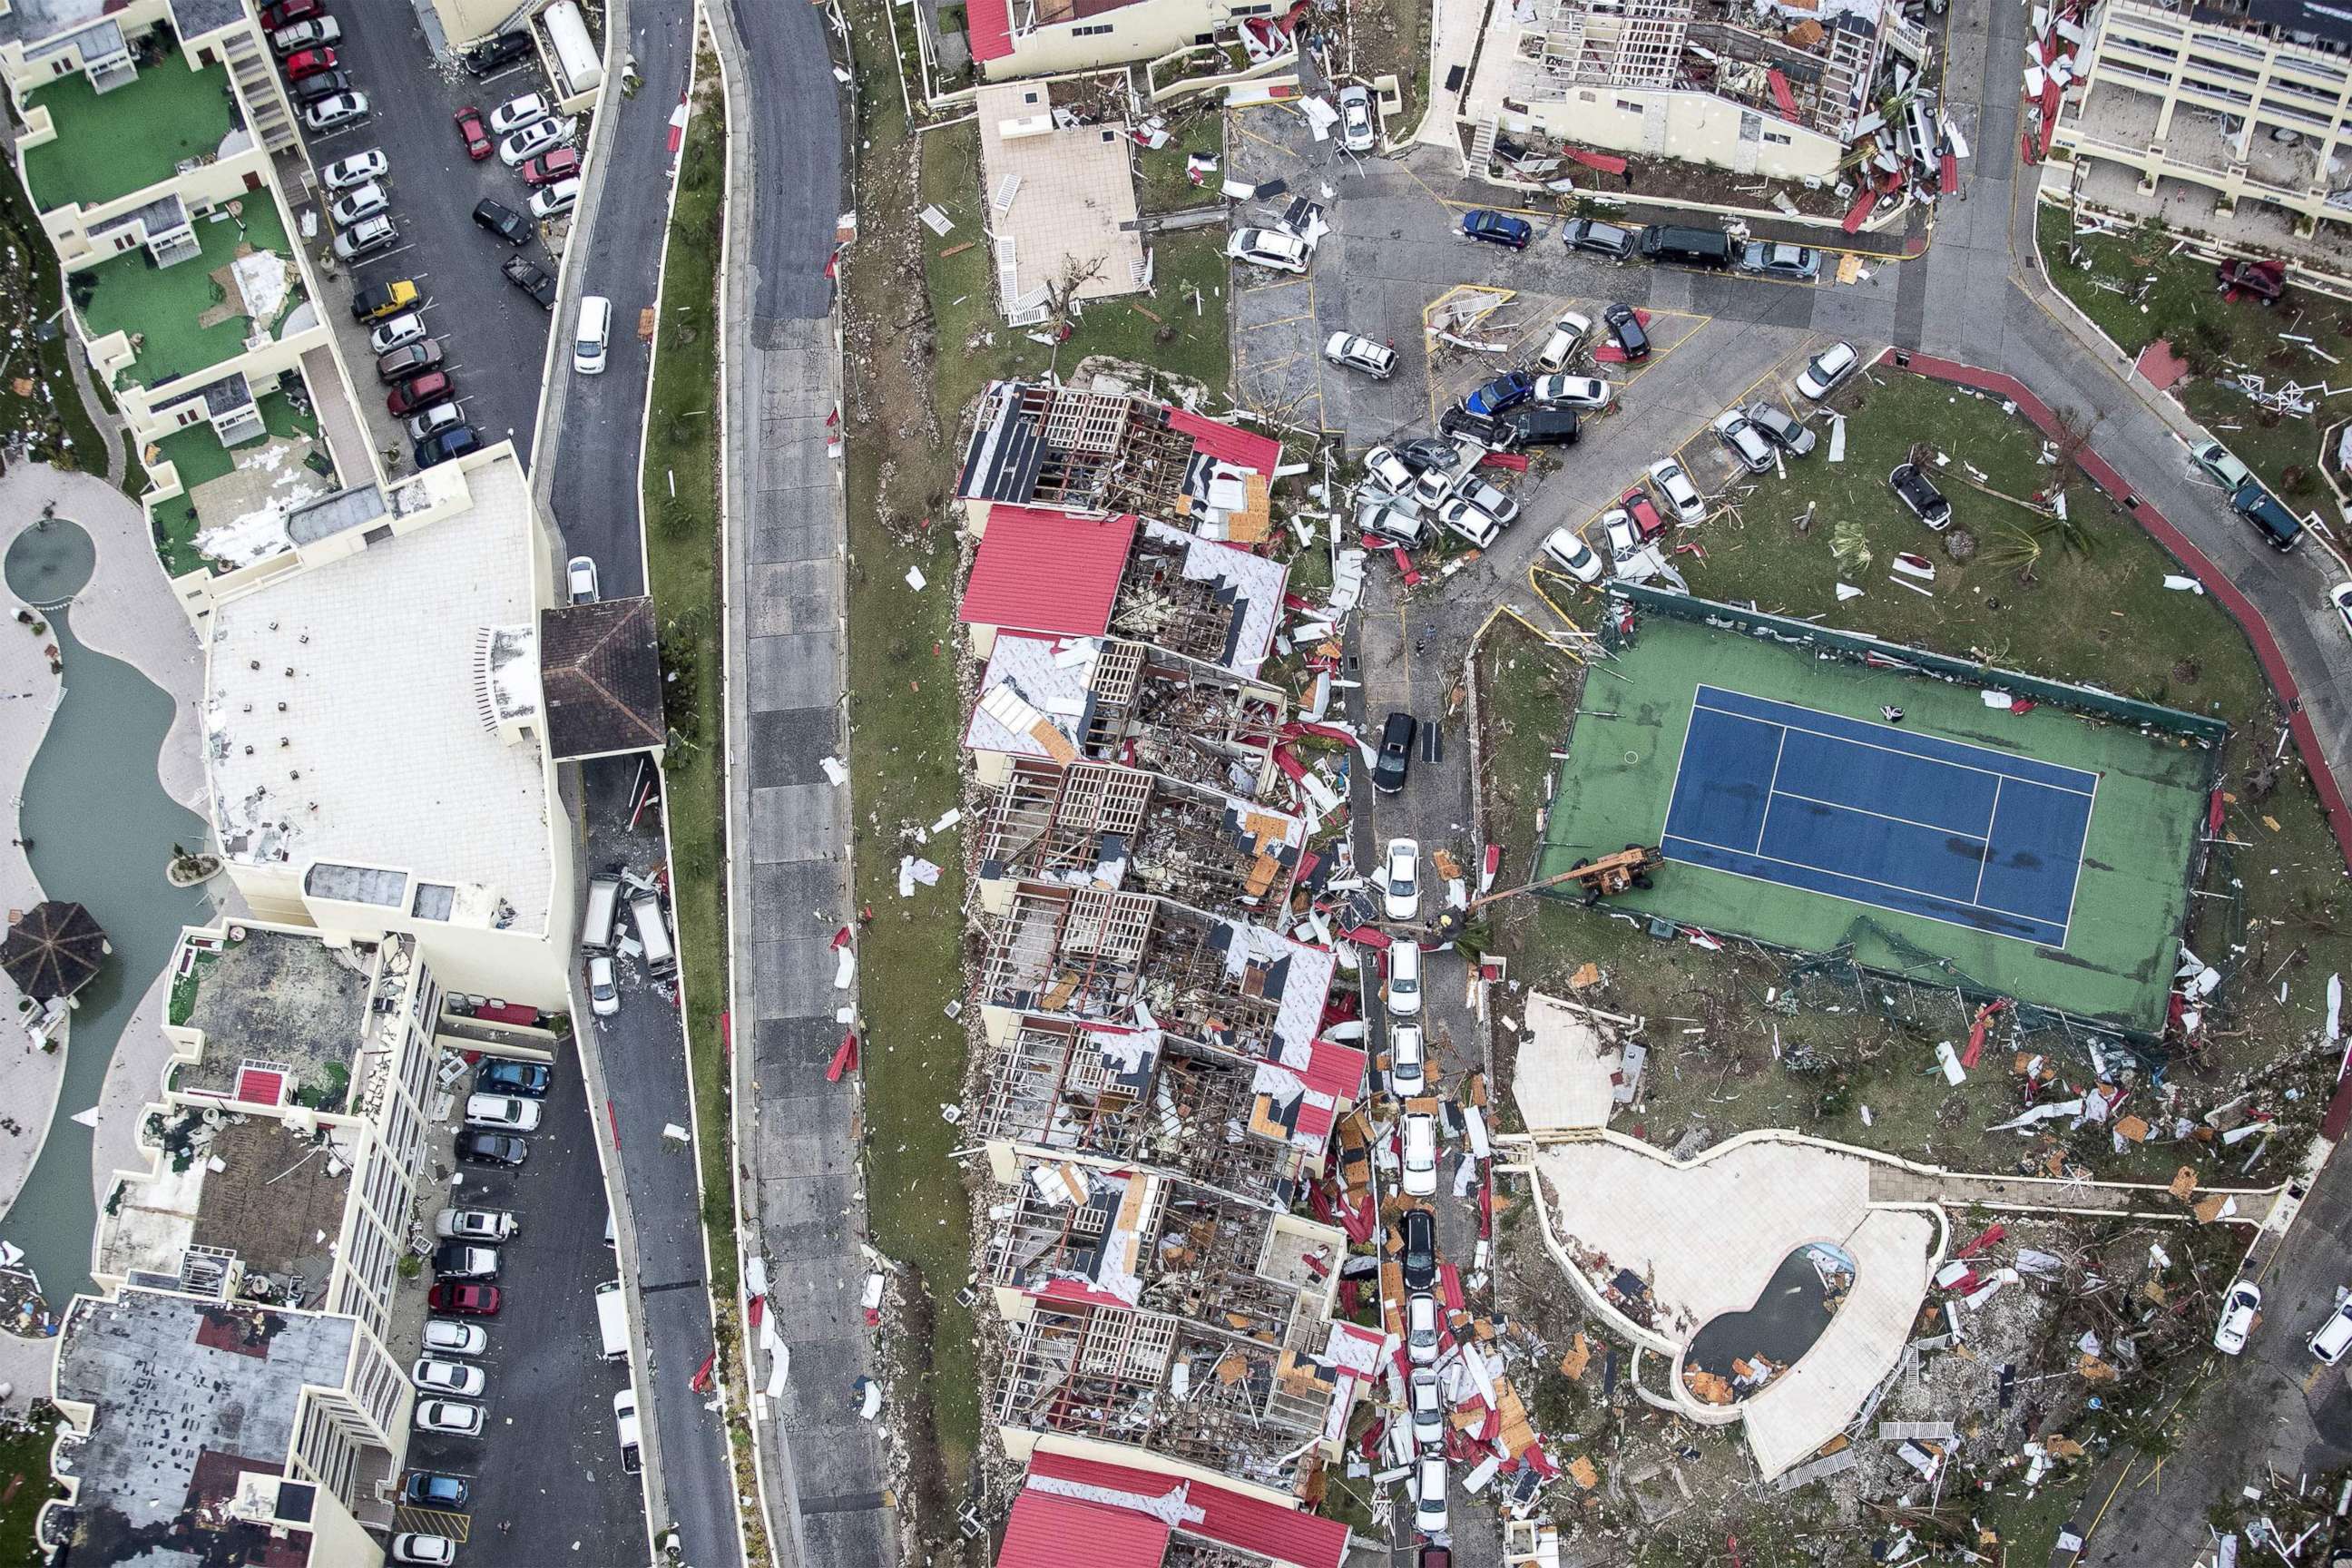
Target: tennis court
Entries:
(1879, 815)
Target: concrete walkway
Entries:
(1962, 1189)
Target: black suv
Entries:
(1626, 323)
(1492, 434)
(1543, 428)
(477, 1146)
(511, 1077)
(503, 221)
(1918, 492)
(1396, 754)
(1418, 1231)
(497, 54)
(326, 84)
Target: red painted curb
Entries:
(2241, 609)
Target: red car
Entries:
(1643, 512)
(549, 167)
(416, 395)
(469, 126)
(285, 13)
(309, 63)
(463, 1301)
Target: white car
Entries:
(1401, 882)
(1492, 500)
(517, 112)
(488, 1226)
(1471, 523)
(1404, 979)
(1435, 483)
(1356, 352)
(1747, 444)
(1386, 470)
(366, 200)
(580, 579)
(1271, 247)
(555, 200)
(1420, 1140)
(2340, 596)
(356, 170)
(432, 1550)
(1420, 1328)
(1682, 496)
(339, 109)
(1408, 1061)
(1427, 1402)
(433, 421)
(1573, 392)
(2221, 466)
(534, 139)
(445, 1337)
(435, 1375)
(1359, 128)
(506, 1113)
(1618, 528)
(401, 331)
(449, 1415)
(2334, 1337)
(1826, 369)
(604, 992)
(1429, 1495)
(366, 237)
(1567, 335)
(2238, 1314)
(1567, 550)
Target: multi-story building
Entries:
(376, 737)
(2241, 112)
(157, 148)
(1056, 38)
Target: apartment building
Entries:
(1011, 38)
(156, 141)
(376, 737)
(2239, 111)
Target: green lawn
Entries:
(199, 457)
(24, 1483)
(57, 426)
(134, 137)
(1161, 184)
(185, 319)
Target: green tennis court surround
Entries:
(2103, 941)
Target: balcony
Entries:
(111, 145)
(185, 319)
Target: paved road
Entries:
(789, 827)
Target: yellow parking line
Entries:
(1277, 321)
(1265, 142)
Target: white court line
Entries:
(1977, 898)
(1897, 750)
(1889, 817)
(1772, 787)
(1794, 888)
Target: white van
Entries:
(603, 906)
(653, 930)
(2335, 1336)
(588, 341)
(625, 1417)
(612, 1321)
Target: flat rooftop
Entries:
(274, 1002)
(112, 144)
(277, 1202)
(1073, 213)
(189, 1396)
(385, 661)
(189, 317)
(31, 21)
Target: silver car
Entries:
(1494, 501)
(1360, 352)
(402, 329)
(1746, 443)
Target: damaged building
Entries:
(1131, 1517)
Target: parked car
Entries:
(411, 397)
(1737, 431)
(533, 281)
(1567, 337)
(1401, 881)
(1492, 500)
(562, 164)
(2244, 1305)
(1792, 263)
(517, 112)
(1390, 472)
(313, 33)
(366, 237)
(1914, 489)
(1643, 513)
(377, 300)
(1620, 532)
(1419, 1143)
(433, 421)
(1625, 325)
(1791, 435)
(553, 200)
(453, 442)
(417, 1547)
(1417, 1248)
(1386, 519)
(1420, 1326)
(1675, 483)
(1567, 550)
(2340, 597)
(534, 139)
(1359, 128)
(429, 1489)
(1467, 521)
(1541, 426)
(398, 332)
(1492, 434)
(1429, 1495)
(580, 579)
(1598, 238)
(471, 132)
(457, 1377)
(1403, 960)
(1425, 452)
(445, 1338)
(322, 85)
(286, 13)
(1356, 351)
(1826, 369)
(450, 1416)
(498, 53)
(332, 114)
(488, 1226)
(1436, 481)
(304, 63)
(457, 1260)
(357, 169)
(1573, 392)
(478, 1146)
(604, 988)
(496, 1076)
(1396, 754)
(364, 201)
(2332, 1338)
(1272, 248)
(1500, 396)
(503, 221)
(463, 1301)
(1408, 1061)
(1427, 1402)
(2280, 529)
(408, 364)
(1498, 229)
(2220, 466)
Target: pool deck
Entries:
(127, 611)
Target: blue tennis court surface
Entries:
(1880, 815)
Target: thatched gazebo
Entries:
(53, 951)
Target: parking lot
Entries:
(546, 1475)
(492, 334)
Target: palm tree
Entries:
(2016, 550)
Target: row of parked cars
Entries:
(1681, 243)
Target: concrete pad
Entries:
(790, 1137)
(794, 821)
(793, 978)
(829, 1461)
(784, 1048)
(1565, 1076)
(788, 743)
(786, 597)
(862, 1536)
(782, 534)
(795, 671)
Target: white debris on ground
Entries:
(260, 534)
(263, 279)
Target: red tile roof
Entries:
(989, 23)
(1228, 442)
(1212, 1512)
(1050, 1531)
(1046, 572)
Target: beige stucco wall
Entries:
(1696, 127)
